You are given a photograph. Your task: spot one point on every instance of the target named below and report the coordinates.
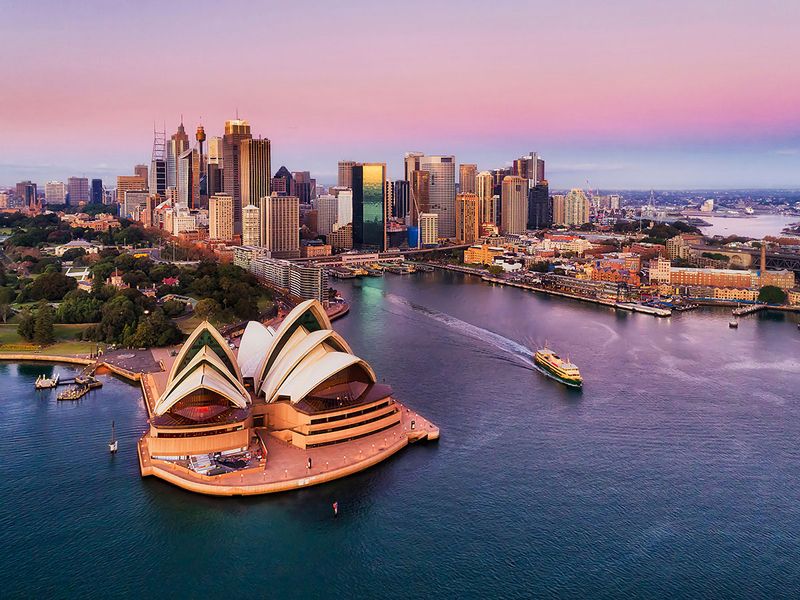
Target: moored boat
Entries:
(556, 367)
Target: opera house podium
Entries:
(283, 412)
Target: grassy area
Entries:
(65, 339)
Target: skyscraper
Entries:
(251, 225)
(282, 182)
(442, 194)
(345, 178)
(158, 176)
(466, 178)
(388, 197)
(141, 171)
(236, 130)
(177, 145)
(369, 206)
(282, 226)
(26, 191)
(467, 218)
(411, 161)
(55, 192)
(344, 200)
(419, 193)
(400, 208)
(189, 178)
(304, 186)
(132, 183)
(327, 206)
(97, 191)
(78, 190)
(220, 217)
(559, 213)
(576, 208)
(484, 188)
(514, 200)
(540, 206)
(256, 170)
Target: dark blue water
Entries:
(674, 473)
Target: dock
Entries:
(748, 310)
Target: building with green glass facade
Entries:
(369, 206)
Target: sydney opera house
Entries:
(292, 407)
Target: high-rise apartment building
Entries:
(55, 192)
(283, 226)
(369, 206)
(327, 206)
(126, 183)
(484, 188)
(78, 190)
(345, 178)
(236, 130)
(96, 192)
(576, 208)
(189, 178)
(178, 144)
(559, 214)
(540, 206)
(428, 229)
(467, 218)
(220, 217)
(442, 191)
(256, 170)
(514, 201)
(251, 225)
(466, 178)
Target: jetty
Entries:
(748, 310)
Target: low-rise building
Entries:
(482, 254)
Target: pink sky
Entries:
(713, 81)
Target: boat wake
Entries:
(518, 351)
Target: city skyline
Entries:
(621, 96)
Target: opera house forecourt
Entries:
(293, 407)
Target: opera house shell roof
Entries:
(303, 362)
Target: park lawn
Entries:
(65, 339)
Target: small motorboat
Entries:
(733, 324)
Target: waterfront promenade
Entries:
(284, 467)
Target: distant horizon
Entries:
(623, 95)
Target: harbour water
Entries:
(673, 473)
(757, 226)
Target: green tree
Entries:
(79, 307)
(50, 286)
(72, 254)
(43, 327)
(771, 294)
(26, 325)
(117, 314)
(6, 298)
(207, 308)
(496, 270)
(174, 308)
